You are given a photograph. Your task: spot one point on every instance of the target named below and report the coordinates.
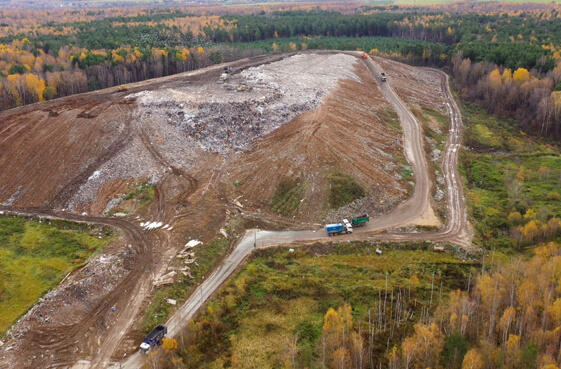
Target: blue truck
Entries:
(339, 228)
(153, 338)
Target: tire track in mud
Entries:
(63, 339)
(66, 193)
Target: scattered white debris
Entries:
(166, 226)
(193, 243)
(84, 213)
(151, 225)
(165, 279)
(95, 175)
(378, 251)
(291, 250)
(170, 228)
(138, 94)
(223, 232)
(120, 215)
(171, 301)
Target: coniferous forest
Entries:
(506, 59)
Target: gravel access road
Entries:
(414, 207)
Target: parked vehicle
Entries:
(360, 221)
(153, 338)
(384, 79)
(339, 228)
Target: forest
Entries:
(74, 51)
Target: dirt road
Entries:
(177, 189)
(413, 208)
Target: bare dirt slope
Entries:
(51, 148)
(349, 133)
(191, 138)
(409, 211)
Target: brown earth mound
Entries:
(76, 153)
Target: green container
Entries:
(360, 221)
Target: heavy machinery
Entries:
(153, 338)
(364, 56)
(339, 228)
(360, 221)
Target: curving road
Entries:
(414, 207)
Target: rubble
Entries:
(181, 123)
(168, 278)
(193, 243)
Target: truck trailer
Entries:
(153, 338)
(360, 221)
(339, 228)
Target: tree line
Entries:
(510, 318)
(94, 49)
(532, 97)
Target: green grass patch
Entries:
(508, 173)
(392, 121)
(343, 190)
(207, 257)
(437, 116)
(145, 194)
(35, 256)
(282, 297)
(287, 196)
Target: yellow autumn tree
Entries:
(506, 321)
(507, 75)
(495, 79)
(472, 360)
(513, 352)
(555, 311)
(14, 81)
(423, 348)
(521, 75)
(35, 85)
(169, 345)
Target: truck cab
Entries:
(153, 338)
(145, 348)
(348, 226)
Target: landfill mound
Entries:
(249, 104)
(207, 150)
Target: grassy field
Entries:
(35, 256)
(287, 196)
(513, 183)
(277, 303)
